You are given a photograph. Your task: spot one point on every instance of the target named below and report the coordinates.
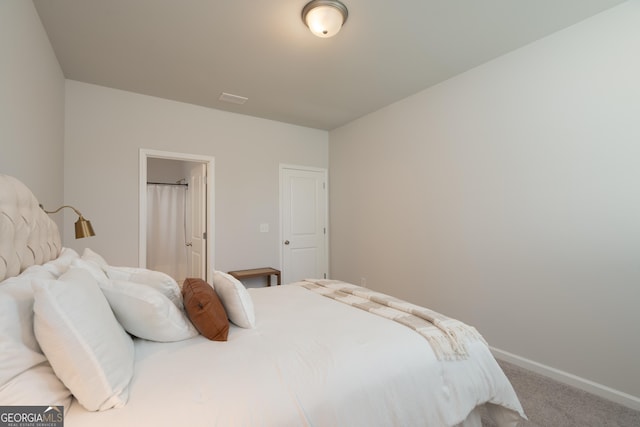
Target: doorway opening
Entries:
(176, 214)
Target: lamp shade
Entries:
(83, 228)
(324, 18)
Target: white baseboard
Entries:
(603, 391)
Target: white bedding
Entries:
(335, 366)
(309, 361)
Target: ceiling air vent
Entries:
(234, 99)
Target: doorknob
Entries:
(286, 242)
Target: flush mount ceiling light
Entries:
(324, 17)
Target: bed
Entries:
(312, 353)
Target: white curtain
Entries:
(166, 240)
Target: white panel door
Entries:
(198, 221)
(304, 224)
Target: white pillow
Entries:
(94, 269)
(86, 346)
(26, 377)
(89, 255)
(38, 385)
(147, 313)
(235, 299)
(20, 349)
(155, 279)
(61, 264)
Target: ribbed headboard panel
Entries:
(27, 235)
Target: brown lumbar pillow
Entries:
(205, 309)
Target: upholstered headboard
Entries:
(27, 235)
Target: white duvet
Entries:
(310, 361)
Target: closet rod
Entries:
(166, 183)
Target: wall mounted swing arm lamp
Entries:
(324, 17)
(83, 226)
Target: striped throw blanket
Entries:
(446, 336)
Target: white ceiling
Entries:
(192, 50)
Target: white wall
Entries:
(166, 170)
(105, 128)
(31, 104)
(509, 197)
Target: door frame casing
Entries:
(209, 162)
(325, 173)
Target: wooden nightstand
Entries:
(266, 272)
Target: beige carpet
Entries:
(549, 403)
